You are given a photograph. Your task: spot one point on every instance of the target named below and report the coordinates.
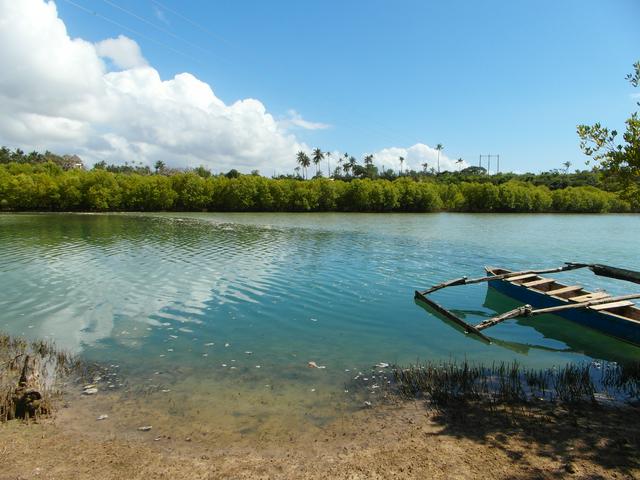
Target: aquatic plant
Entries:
(503, 383)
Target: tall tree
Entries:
(304, 161)
(327, 155)
(317, 158)
(159, 166)
(439, 148)
(368, 160)
(620, 160)
(567, 166)
(425, 167)
(401, 163)
(459, 162)
(352, 163)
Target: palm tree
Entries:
(401, 162)
(327, 155)
(159, 166)
(567, 166)
(459, 162)
(352, 163)
(425, 166)
(368, 160)
(317, 158)
(304, 161)
(439, 148)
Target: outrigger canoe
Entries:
(615, 316)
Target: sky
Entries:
(246, 83)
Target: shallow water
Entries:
(225, 310)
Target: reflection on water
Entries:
(239, 304)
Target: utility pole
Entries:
(488, 156)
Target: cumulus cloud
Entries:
(294, 120)
(414, 158)
(122, 51)
(58, 93)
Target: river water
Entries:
(216, 316)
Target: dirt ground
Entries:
(400, 441)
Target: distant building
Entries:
(72, 162)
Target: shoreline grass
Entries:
(48, 367)
(444, 384)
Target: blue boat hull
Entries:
(608, 324)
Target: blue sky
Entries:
(513, 78)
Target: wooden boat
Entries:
(620, 319)
(614, 316)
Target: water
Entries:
(177, 300)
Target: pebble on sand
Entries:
(145, 428)
(102, 417)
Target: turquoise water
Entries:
(168, 291)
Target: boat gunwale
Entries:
(566, 301)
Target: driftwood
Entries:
(26, 399)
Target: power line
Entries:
(135, 32)
(186, 19)
(157, 27)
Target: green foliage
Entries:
(587, 200)
(618, 160)
(45, 186)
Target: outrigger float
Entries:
(615, 316)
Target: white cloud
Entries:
(414, 158)
(122, 51)
(294, 120)
(57, 93)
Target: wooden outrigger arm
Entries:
(452, 316)
(528, 311)
(468, 281)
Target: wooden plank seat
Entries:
(590, 296)
(559, 291)
(537, 283)
(611, 306)
(521, 277)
